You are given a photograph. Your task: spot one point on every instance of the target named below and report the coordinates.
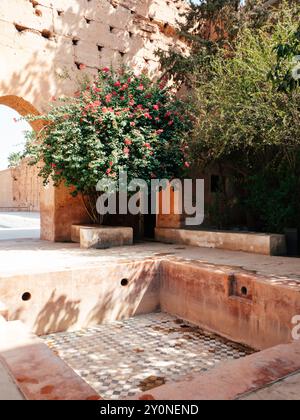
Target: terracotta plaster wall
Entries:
(73, 299)
(43, 45)
(242, 306)
(20, 189)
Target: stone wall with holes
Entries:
(47, 45)
(20, 189)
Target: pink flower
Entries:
(141, 87)
(186, 164)
(104, 110)
(148, 116)
(111, 163)
(108, 171)
(131, 103)
(108, 98)
(122, 98)
(114, 93)
(53, 165)
(117, 84)
(129, 80)
(156, 107)
(171, 122)
(82, 66)
(97, 90)
(159, 131)
(106, 70)
(126, 151)
(140, 107)
(147, 145)
(125, 86)
(132, 124)
(168, 114)
(128, 142)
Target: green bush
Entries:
(117, 122)
(247, 125)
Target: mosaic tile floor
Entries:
(124, 358)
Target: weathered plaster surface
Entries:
(46, 44)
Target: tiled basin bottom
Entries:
(124, 358)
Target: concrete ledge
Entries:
(75, 231)
(255, 243)
(231, 380)
(101, 237)
(37, 371)
(8, 389)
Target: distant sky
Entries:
(12, 137)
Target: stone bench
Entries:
(256, 243)
(101, 237)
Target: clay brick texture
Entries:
(45, 44)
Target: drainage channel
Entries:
(124, 358)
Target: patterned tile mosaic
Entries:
(124, 358)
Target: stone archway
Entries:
(58, 209)
(20, 186)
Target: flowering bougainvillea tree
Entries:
(117, 122)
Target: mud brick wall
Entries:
(45, 44)
(20, 189)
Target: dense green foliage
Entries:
(286, 73)
(208, 26)
(14, 159)
(117, 122)
(248, 121)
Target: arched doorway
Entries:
(20, 186)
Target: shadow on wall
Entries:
(47, 50)
(115, 293)
(58, 314)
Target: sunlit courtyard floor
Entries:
(122, 359)
(18, 225)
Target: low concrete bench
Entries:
(101, 237)
(255, 243)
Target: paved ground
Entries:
(122, 359)
(17, 225)
(287, 389)
(35, 256)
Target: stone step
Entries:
(101, 237)
(255, 243)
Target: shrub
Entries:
(249, 126)
(117, 122)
